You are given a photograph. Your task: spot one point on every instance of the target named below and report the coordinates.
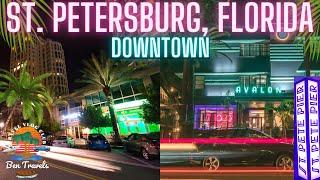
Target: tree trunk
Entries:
(9, 117)
(307, 66)
(307, 61)
(113, 119)
(117, 139)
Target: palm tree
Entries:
(52, 106)
(25, 91)
(17, 40)
(285, 112)
(101, 73)
(311, 40)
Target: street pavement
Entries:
(78, 164)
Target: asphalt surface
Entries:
(75, 164)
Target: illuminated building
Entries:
(169, 114)
(238, 90)
(127, 99)
(43, 56)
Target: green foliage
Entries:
(50, 126)
(25, 91)
(312, 39)
(18, 40)
(25, 138)
(151, 108)
(102, 73)
(93, 117)
(285, 112)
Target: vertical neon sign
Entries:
(306, 121)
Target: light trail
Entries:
(227, 140)
(227, 170)
(81, 161)
(223, 171)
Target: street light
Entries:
(1, 125)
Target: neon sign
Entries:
(269, 13)
(254, 90)
(306, 136)
(214, 116)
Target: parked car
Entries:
(70, 142)
(147, 145)
(98, 142)
(48, 140)
(78, 143)
(8, 148)
(232, 147)
(61, 141)
(41, 148)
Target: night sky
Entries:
(77, 48)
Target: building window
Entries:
(257, 80)
(116, 93)
(254, 49)
(89, 100)
(126, 90)
(95, 98)
(137, 86)
(214, 116)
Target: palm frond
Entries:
(18, 39)
(311, 39)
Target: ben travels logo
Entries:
(23, 157)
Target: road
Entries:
(78, 164)
(238, 173)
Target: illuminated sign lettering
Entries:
(254, 90)
(260, 17)
(306, 136)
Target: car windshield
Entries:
(96, 137)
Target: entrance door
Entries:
(256, 122)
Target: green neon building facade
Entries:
(128, 100)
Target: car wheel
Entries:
(211, 163)
(109, 149)
(284, 162)
(145, 154)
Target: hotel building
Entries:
(246, 75)
(42, 56)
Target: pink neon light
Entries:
(264, 16)
(228, 140)
(222, 171)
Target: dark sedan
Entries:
(98, 142)
(231, 147)
(147, 145)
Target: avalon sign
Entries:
(306, 129)
(254, 90)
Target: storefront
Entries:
(215, 116)
(127, 102)
(243, 89)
